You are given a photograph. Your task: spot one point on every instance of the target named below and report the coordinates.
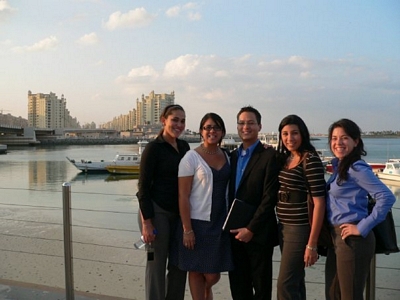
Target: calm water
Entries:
(34, 176)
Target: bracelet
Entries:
(188, 232)
(312, 248)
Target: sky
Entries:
(322, 60)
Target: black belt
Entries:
(292, 197)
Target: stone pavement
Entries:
(12, 290)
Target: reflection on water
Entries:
(43, 172)
(84, 177)
(394, 186)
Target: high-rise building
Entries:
(48, 111)
(149, 109)
(146, 116)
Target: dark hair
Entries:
(251, 110)
(218, 121)
(305, 146)
(354, 132)
(168, 110)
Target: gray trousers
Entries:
(157, 285)
(291, 280)
(347, 266)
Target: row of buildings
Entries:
(49, 111)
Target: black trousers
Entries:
(252, 276)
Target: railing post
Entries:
(371, 283)
(69, 274)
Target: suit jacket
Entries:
(259, 186)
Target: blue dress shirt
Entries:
(347, 201)
(243, 159)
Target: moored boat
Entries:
(125, 160)
(271, 139)
(125, 164)
(230, 143)
(376, 167)
(90, 166)
(391, 170)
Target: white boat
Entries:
(120, 160)
(391, 170)
(270, 139)
(101, 166)
(230, 143)
(89, 166)
(125, 164)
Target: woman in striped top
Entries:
(298, 239)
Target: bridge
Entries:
(19, 136)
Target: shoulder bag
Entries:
(385, 232)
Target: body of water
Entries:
(32, 175)
(31, 182)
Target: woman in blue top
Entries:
(347, 267)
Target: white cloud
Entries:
(4, 6)
(189, 10)
(173, 11)
(181, 66)
(46, 44)
(204, 83)
(5, 10)
(88, 39)
(136, 18)
(145, 71)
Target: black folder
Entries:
(239, 215)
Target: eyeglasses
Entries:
(248, 123)
(209, 128)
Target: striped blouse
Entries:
(293, 180)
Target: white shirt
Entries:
(192, 164)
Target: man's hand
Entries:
(242, 234)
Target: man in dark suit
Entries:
(254, 180)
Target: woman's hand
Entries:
(310, 256)
(189, 239)
(148, 232)
(349, 229)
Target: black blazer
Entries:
(259, 186)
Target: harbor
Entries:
(104, 211)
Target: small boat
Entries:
(325, 159)
(230, 143)
(269, 139)
(376, 167)
(125, 164)
(90, 166)
(391, 170)
(131, 160)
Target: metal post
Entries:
(69, 274)
(371, 283)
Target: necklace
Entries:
(204, 149)
(291, 157)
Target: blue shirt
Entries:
(347, 201)
(243, 159)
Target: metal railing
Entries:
(114, 250)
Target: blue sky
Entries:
(322, 60)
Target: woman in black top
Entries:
(158, 201)
(302, 173)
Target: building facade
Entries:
(146, 116)
(48, 111)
